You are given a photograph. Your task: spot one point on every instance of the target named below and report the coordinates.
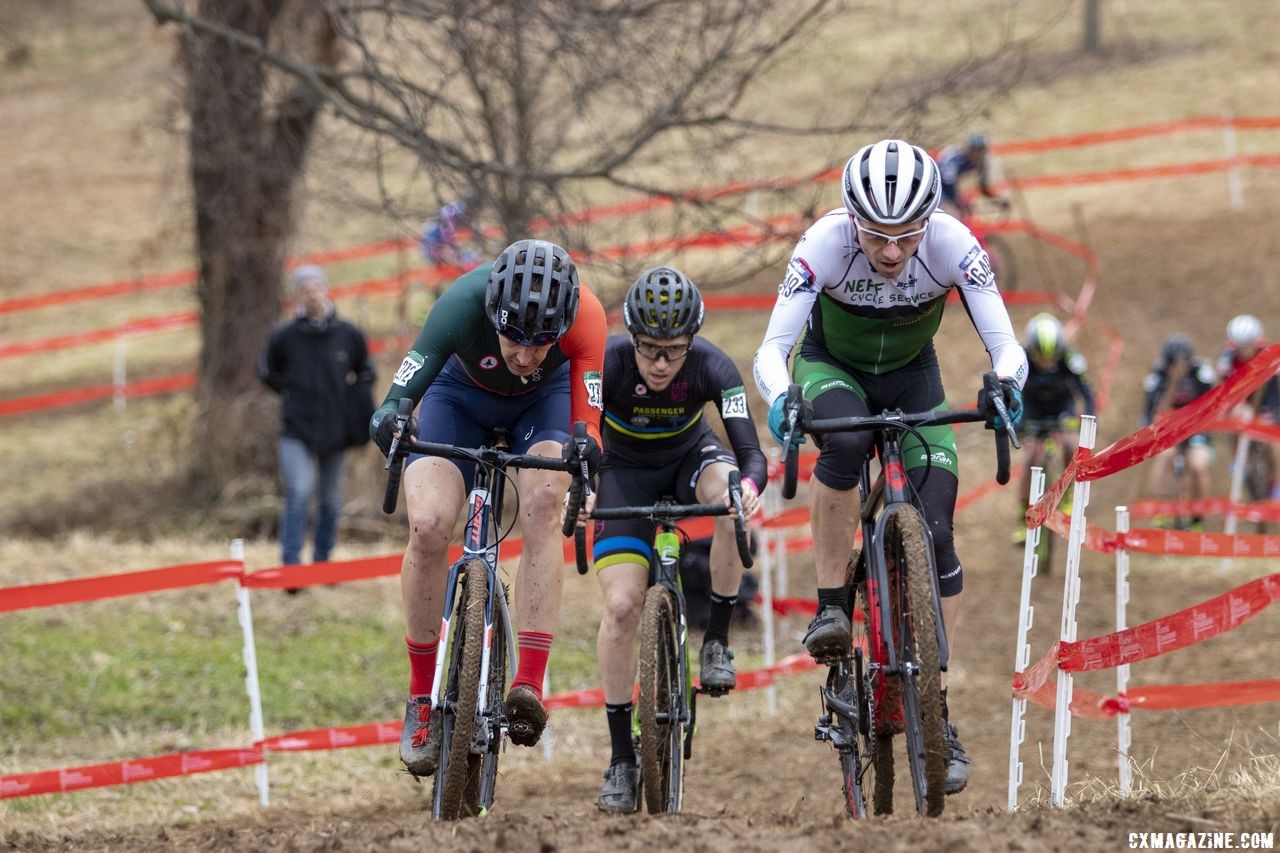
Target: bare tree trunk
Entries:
(244, 161)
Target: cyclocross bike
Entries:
(476, 658)
(666, 708)
(895, 687)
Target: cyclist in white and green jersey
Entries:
(868, 283)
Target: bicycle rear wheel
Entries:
(917, 640)
(661, 704)
(482, 769)
(461, 694)
(842, 685)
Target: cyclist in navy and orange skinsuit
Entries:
(516, 343)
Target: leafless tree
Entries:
(524, 107)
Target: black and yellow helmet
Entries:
(663, 303)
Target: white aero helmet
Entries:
(1244, 330)
(890, 183)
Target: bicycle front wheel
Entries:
(461, 694)
(661, 704)
(482, 768)
(917, 638)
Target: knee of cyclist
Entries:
(429, 532)
(622, 609)
(541, 506)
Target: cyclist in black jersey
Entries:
(1178, 378)
(1053, 396)
(657, 443)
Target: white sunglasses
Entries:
(886, 240)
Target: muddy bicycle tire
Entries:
(660, 708)
(482, 770)
(463, 690)
(918, 642)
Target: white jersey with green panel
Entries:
(873, 324)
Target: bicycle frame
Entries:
(481, 503)
(879, 583)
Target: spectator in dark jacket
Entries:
(319, 365)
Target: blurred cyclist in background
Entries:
(439, 240)
(1052, 398)
(1244, 341)
(956, 161)
(1177, 378)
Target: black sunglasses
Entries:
(517, 336)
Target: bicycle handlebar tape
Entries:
(580, 549)
(1002, 457)
(790, 455)
(740, 521)
(993, 395)
(395, 459)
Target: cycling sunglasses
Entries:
(517, 336)
(882, 239)
(671, 353)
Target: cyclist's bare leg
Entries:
(540, 580)
(834, 515)
(434, 492)
(1198, 469)
(726, 566)
(623, 587)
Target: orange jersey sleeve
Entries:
(583, 344)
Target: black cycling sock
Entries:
(719, 617)
(619, 717)
(834, 596)
(945, 715)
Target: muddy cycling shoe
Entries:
(957, 761)
(526, 716)
(420, 739)
(716, 673)
(619, 794)
(830, 635)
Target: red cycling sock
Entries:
(422, 666)
(535, 648)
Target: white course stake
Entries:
(1022, 653)
(1124, 735)
(250, 656)
(1070, 598)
